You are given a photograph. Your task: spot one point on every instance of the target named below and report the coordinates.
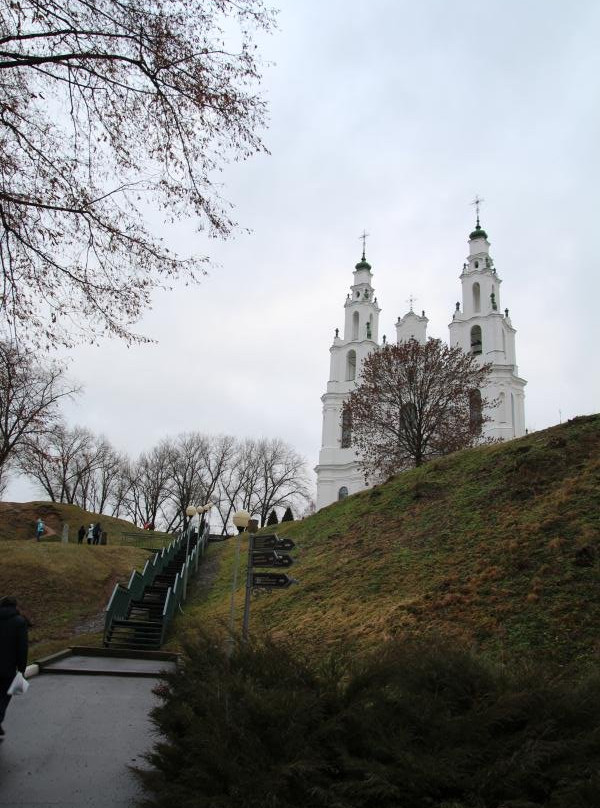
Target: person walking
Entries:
(39, 529)
(96, 533)
(90, 533)
(13, 649)
(81, 534)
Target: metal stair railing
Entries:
(178, 592)
(120, 600)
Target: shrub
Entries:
(288, 516)
(414, 725)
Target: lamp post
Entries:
(251, 528)
(190, 511)
(240, 520)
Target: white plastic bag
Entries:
(19, 685)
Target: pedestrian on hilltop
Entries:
(96, 533)
(13, 649)
(39, 528)
(81, 534)
(90, 535)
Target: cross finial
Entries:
(477, 202)
(412, 299)
(363, 237)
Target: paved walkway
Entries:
(70, 739)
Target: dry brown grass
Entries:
(17, 521)
(63, 588)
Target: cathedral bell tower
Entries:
(338, 473)
(481, 328)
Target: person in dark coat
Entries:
(96, 533)
(13, 649)
(81, 534)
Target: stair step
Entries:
(137, 623)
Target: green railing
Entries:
(148, 540)
(178, 592)
(118, 605)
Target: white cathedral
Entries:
(479, 327)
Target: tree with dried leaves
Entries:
(109, 108)
(30, 392)
(413, 403)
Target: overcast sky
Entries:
(390, 116)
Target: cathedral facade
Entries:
(479, 326)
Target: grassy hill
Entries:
(497, 547)
(17, 520)
(62, 588)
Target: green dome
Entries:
(479, 232)
(363, 264)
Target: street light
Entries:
(240, 520)
(190, 511)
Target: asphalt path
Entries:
(71, 740)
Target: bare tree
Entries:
(263, 475)
(238, 482)
(30, 392)
(73, 466)
(147, 485)
(107, 106)
(413, 403)
(282, 480)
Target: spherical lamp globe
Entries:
(240, 520)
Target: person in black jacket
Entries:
(96, 533)
(13, 649)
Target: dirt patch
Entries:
(207, 573)
(90, 625)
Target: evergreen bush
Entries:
(272, 520)
(288, 516)
(414, 726)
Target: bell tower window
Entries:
(475, 412)
(355, 325)
(351, 366)
(476, 297)
(476, 343)
(346, 429)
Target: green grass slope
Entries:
(497, 547)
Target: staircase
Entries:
(142, 628)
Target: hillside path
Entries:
(70, 740)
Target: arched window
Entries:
(504, 344)
(476, 344)
(342, 493)
(512, 413)
(408, 416)
(475, 412)
(355, 325)
(351, 366)
(502, 408)
(476, 297)
(346, 429)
